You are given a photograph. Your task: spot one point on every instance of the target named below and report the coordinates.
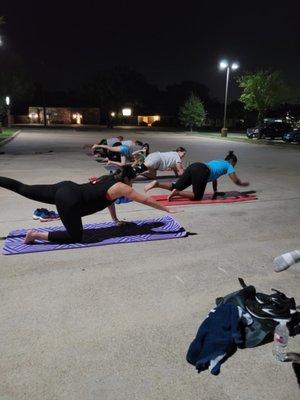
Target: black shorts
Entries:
(197, 175)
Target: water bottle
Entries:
(281, 337)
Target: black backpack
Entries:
(261, 331)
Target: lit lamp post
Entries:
(7, 101)
(225, 65)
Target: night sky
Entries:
(63, 44)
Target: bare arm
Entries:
(112, 211)
(179, 169)
(115, 149)
(120, 189)
(235, 179)
(119, 163)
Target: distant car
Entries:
(272, 130)
(293, 136)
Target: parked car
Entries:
(293, 136)
(272, 130)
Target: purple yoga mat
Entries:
(99, 235)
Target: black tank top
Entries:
(94, 195)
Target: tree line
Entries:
(111, 90)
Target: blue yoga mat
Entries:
(99, 235)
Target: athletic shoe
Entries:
(268, 311)
(38, 213)
(277, 298)
(48, 216)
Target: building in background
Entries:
(148, 119)
(64, 115)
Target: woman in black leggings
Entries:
(74, 201)
(198, 175)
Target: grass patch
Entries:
(7, 133)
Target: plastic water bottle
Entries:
(281, 337)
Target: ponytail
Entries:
(231, 156)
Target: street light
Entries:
(225, 65)
(7, 101)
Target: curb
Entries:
(262, 142)
(7, 140)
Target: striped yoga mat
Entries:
(100, 234)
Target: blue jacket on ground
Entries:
(217, 337)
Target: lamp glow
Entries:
(113, 114)
(7, 100)
(234, 66)
(78, 118)
(126, 112)
(223, 64)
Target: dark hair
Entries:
(125, 172)
(180, 149)
(144, 145)
(147, 147)
(231, 156)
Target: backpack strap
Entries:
(242, 283)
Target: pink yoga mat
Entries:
(229, 197)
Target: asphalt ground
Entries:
(115, 322)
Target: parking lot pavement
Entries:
(115, 322)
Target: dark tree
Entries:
(111, 90)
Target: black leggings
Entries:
(65, 195)
(197, 175)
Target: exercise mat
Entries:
(228, 197)
(100, 234)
